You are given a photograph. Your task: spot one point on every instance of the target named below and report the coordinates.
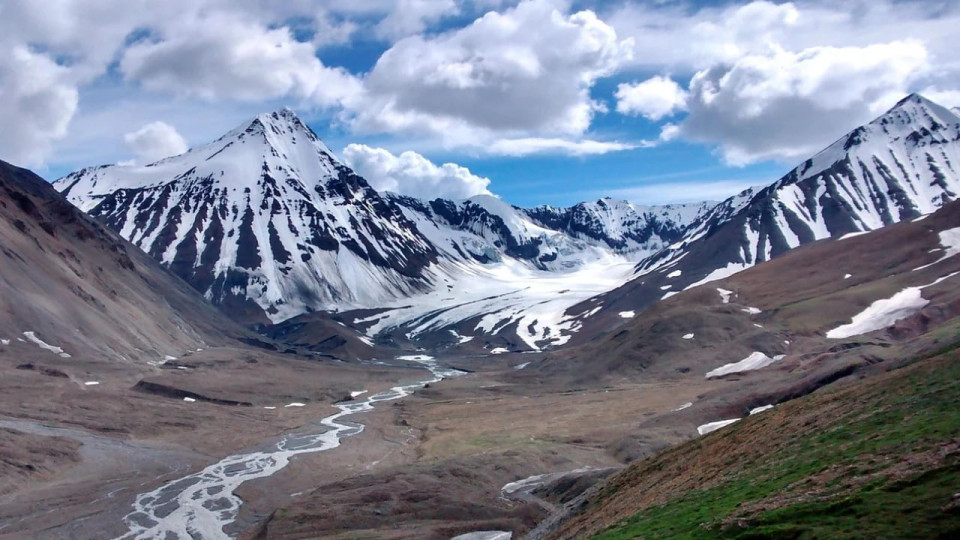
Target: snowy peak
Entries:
(264, 221)
(904, 164)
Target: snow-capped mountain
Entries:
(902, 165)
(268, 224)
(263, 221)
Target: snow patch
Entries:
(756, 360)
(499, 350)
(627, 314)
(357, 393)
(295, 404)
(847, 276)
(686, 405)
(189, 399)
(720, 273)
(675, 274)
(521, 366)
(752, 310)
(688, 336)
(4, 341)
(852, 235)
(725, 295)
(485, 535)
(950, 241)
(713, 426)
(91, 383)
(43, 345)
(761, 409)
(882, 313)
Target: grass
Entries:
(880, 462)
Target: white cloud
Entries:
(785, 106)
(155, 141)
(527, 69)
(412, 174)
(533, 145)
(38, 102)
(653, 98)
(412, 17)
(226, 55)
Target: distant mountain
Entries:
(268, 224)
(902, 165)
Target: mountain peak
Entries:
(917, 107)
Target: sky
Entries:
(536, 101)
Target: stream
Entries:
(202, 504)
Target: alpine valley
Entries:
(247, 340)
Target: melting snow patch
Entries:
(882, 313)
(713, 426)
(950, 240)
(43, 345)
(688, 336)
(189, 399)
(752, 310)
(294, 404)
(725, 295)
(756, 360)
(521, 366)
(761, 409)
(91, 383)
(485, 535)
(627, 314)
(720, 273)
(853, 235)
(686, 405)
(675, 273)
(499, 350)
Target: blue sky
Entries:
(537, 101)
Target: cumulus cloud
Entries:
(653, 98)
(412, 17)
(527, 69)
(785, 105)
(38, 102)
(155, 141)
(412, 174)
(228, 55)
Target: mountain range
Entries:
(269, 225)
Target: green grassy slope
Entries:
(878, 458)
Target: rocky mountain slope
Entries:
(71, 288)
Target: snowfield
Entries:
(506, 293)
